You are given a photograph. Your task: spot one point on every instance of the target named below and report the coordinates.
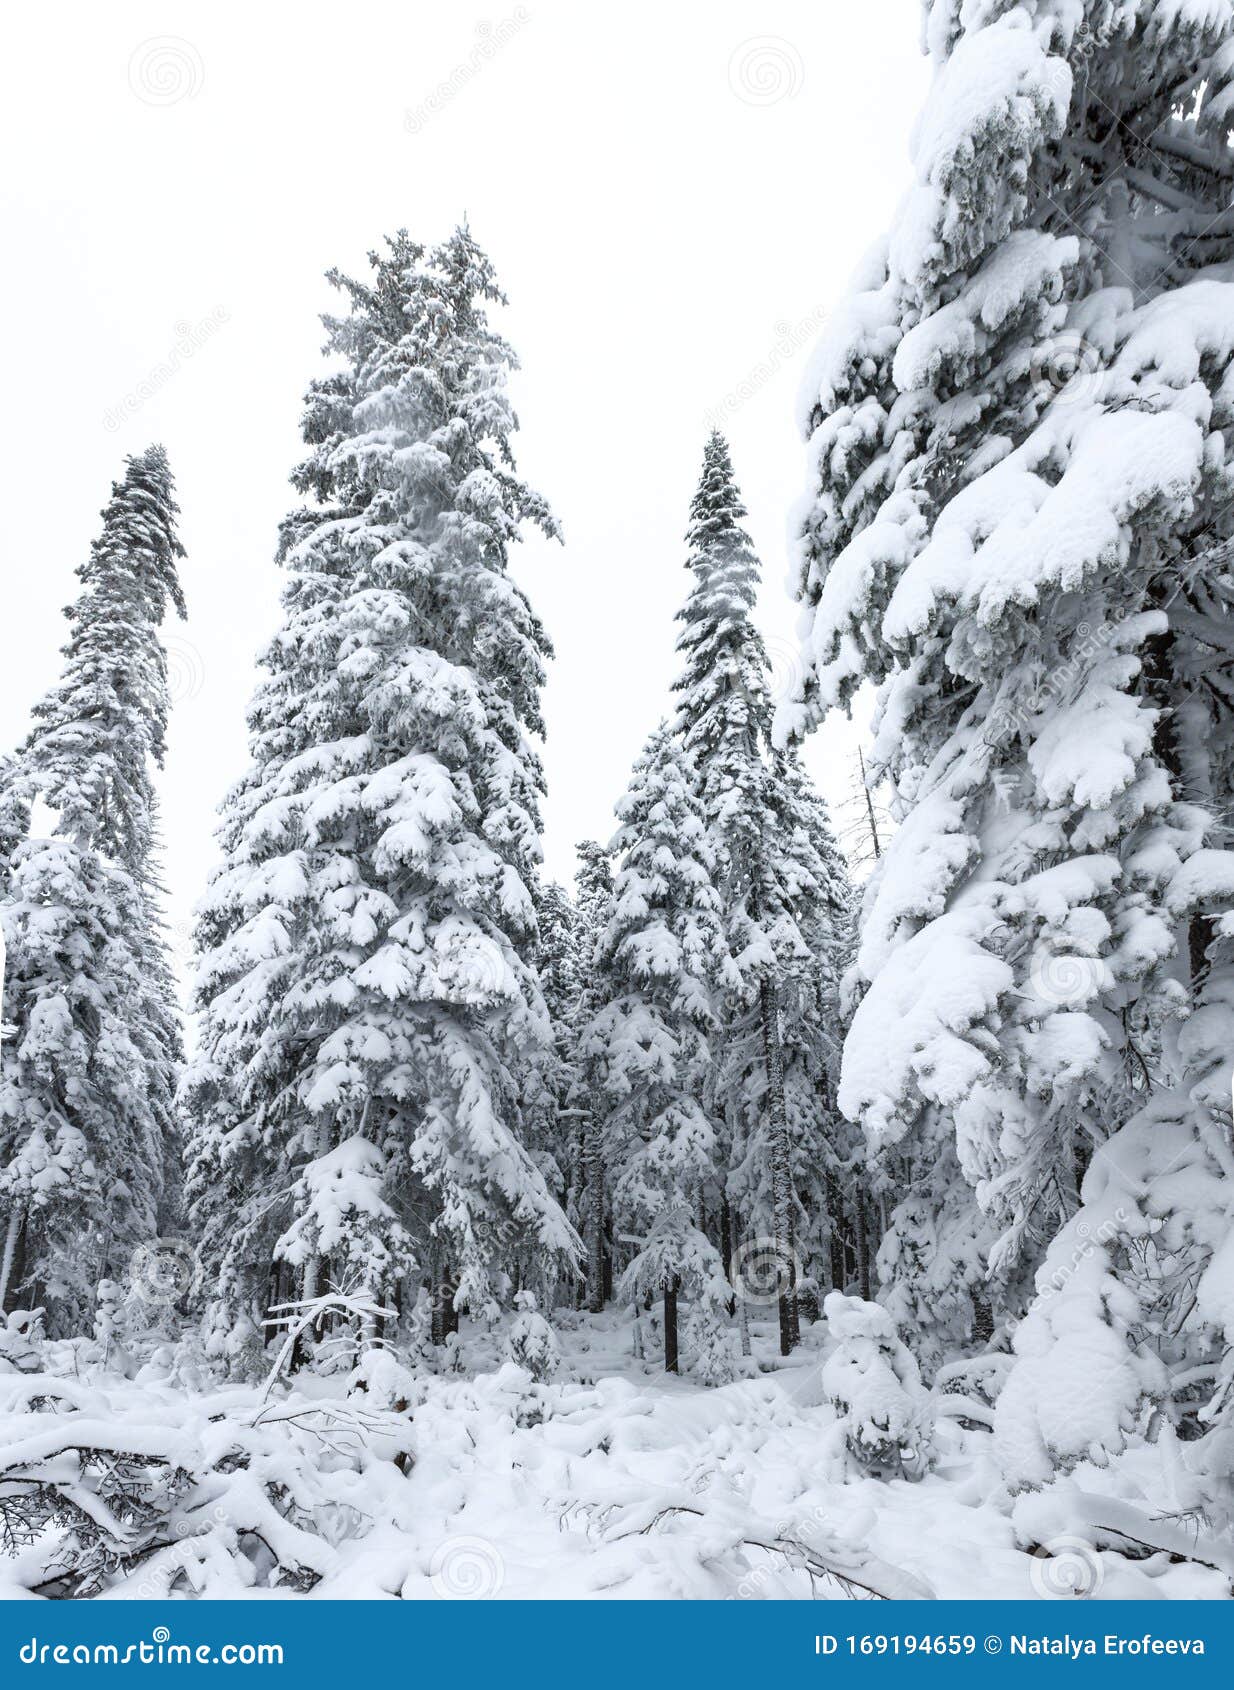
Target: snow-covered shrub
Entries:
(531, 1342)
(235, 1344)
(21, 1341)
(875, 1388)
(111, 1329)
(1130, 1329)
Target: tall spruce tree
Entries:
(662, 959)
(550, 1078)
(88, 1075)
(783, 894)
(593, 889)
(1021, 529)
(806, 920)
(368, 1009)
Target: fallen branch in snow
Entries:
(219, 1499)
(852, 1568)
(954, 1406)
(1110, 1523)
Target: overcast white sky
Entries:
(674, 196)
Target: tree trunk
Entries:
(794, 1307)
(781, 1167)
(10, 1251)
(670, 1328)
(874, 839)
(441, 1303)
(835, 1238)
(742, 1306)
(595, 1215)
(309, 1281)
(726, 1244)
(863, 1248)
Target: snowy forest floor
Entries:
(613, 1480)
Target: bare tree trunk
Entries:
(310, 1280)
(726, 1241)
(781, 1167)
(670, 1328)
(10, 1250)
(594, 1160)
(743, 1308)
(440, 1300)
(863, 1248)
(874, 839)
(794, 1307)
(835, 1241)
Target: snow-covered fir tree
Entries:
(593, 888)
(1021, 528)
(805, 905)
(550, 1122)
(784, 899)
(368, 1012)
(663, 961)
(88, 1075)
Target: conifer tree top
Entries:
(724, 718)
(101, 731)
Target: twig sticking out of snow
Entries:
(313, 1313)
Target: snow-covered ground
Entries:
(613, 1480)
